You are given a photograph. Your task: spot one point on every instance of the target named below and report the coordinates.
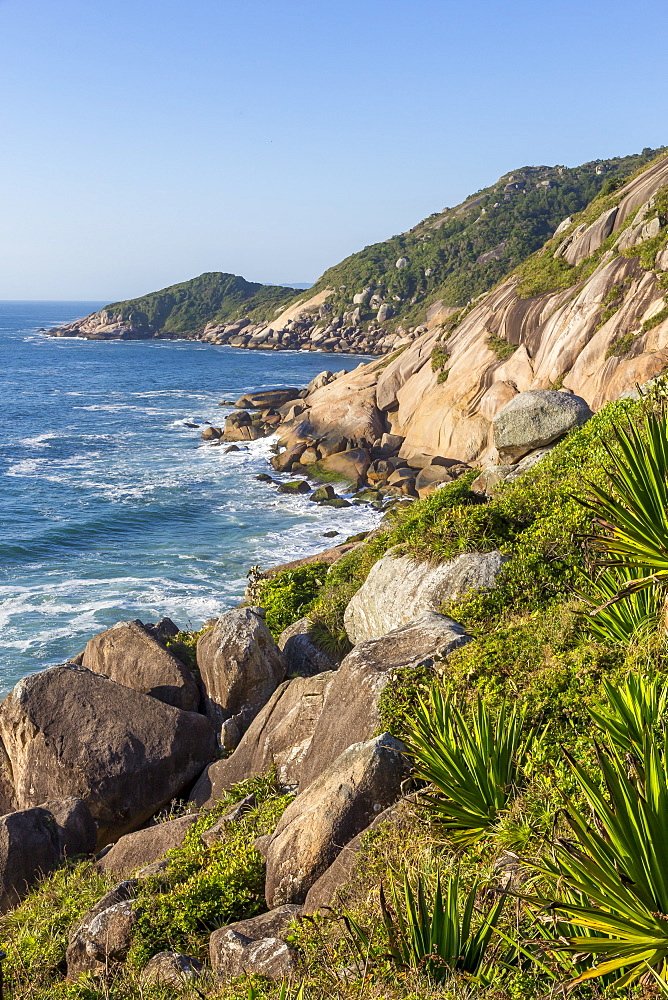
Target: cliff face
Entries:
(596, 336)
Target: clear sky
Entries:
(147, 141)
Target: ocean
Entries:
(111, 508)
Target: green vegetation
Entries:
(474, 763)
(288, 596)
(215, 297)
(460, 253)
(501, 347)
(439, 359)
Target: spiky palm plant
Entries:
(632, 711)
(617, 865)
(631, 510)
(474, 763)
(439, 933)
(620, 620)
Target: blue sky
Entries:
(146, 141)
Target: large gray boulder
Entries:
(170, 968)
(77, 830)
(302, 656)
(144, 847)
(131, 654)
(399, 588)
(30, 846)
(535, 418)
(255, 947)
(350, 712)
(241, 666)
(80, 949)
(365, 779)
(280, 735)
(70, 732)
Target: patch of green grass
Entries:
(207, 887)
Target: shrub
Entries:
(287, 596)
(501, 347)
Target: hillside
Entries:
(374, 298)
(184, 309)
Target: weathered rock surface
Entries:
(263, 399)
(351, 464)
(30, 845)
(280, 735)
(71, 732)
(136, 850)
(536, 418)
(77, 830)
(81, 949)
(323, 892)
(365, 779)
(240, 665)
(170, 968)
(350, 711)
(110, 933)
(130, 654)
(255, 946)
(303, 657)
(399, 588)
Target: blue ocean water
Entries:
(110, 507)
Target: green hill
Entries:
(214, 297)
(459, 253)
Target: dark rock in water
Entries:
(255, 946)
(132, 654)
(231, 447)
(296, 486)
(330, 534)
(170, 968)
(241, 666)
(136, 850)
(185, 424)
(79, 957)
(336, 502)
(323, 493)
(30, 846)
(365, 779)
(279, 735)
(264, 478)
(211, 433)
(70, 732)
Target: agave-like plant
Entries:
(632, 711)
(474, 763)
(434, 932)
(632, 509)
(617, 866)
(621, 620)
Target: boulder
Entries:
(323, 493)
(398, 588)
(266, 398)
(324, 378)
(79, 958)
(170, 968)
(144, 847)
(110, 933)
(71, 732)
(211, 434)
(132, 654)
(351, 464)
(535, 418)
(296, 486)
(350, 711)
(432, 475)
(77, 830)
(240, 665)
(323, 892)
(284, 461)
(304, 658)
(365, 779)
(280, 735)
(30, 846)
(255, 947)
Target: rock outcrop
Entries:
(399, 588)
(280, 735)
(365, 779)
(70, 732)
(535, 418)
(130, 653)
(303, 657)
(96, 932)
(144, 847)
(255, 947)
(241, 666)
(350, 712)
